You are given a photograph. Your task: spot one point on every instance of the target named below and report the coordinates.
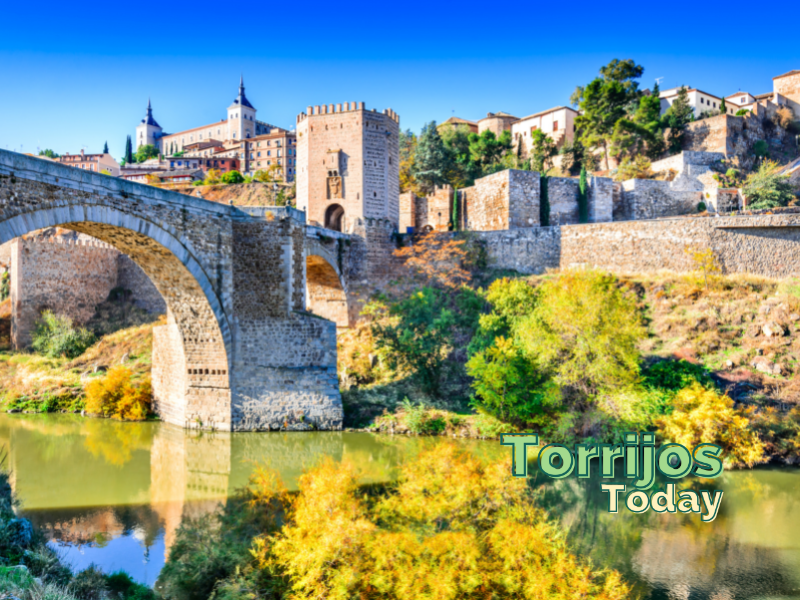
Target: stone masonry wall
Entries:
(767, 245)
(143, 293)
(651, 199)
(735, 137)
(505, 200)
(789, 87)
(562, 192)
(69, 279)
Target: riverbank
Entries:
(737, 336)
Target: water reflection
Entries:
(101, 488)
(751, 550)
(115, 493)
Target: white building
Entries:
(558, 123)
(240, 124)
(700, 101)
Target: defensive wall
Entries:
(70, 277)
(766, 245)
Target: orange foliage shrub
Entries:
(117, 397)
(454, 528)
(437, 259)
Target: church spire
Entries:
(149, 120)
(242, 99)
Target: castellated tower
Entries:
(348, 165)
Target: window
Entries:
(714, 104)
(259, 154)
(555, 125)
(701, 101)
(742, 100)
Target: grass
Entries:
(33, 383)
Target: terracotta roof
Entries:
(764, 96)
(664, 95)
(500, 114)
(459, 121)
(547, 112)
(739, 94)
(194, 129)
(795, 72)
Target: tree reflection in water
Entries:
(749, 551)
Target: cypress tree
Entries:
(544, 202)
(583, 198)
(105, 148)
(128, 151)
(455, 210)
(722, 108)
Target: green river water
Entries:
(113, 494)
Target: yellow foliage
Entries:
(115, 396)
(706, 266)
(704, 416)
(454, 528)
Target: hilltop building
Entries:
(558, 123)
(91, 162)
(240, 136)
(348, 165)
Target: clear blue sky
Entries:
(74, 76)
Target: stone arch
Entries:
(326, 294)
(334, 217)
(195, 346)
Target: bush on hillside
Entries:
(232, 177)
(116, 396)
(766, 188)
(584, 331)
(56, 336)
(702, 415)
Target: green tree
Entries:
(767, 188)
(431, 159)
(543, 149)
(677, 117)
(574, 157)
(583, 198)
(722, 107)
(486, 149)
(128, 151)
(606, 100)
(419, 334)
(145, 152)
(48, 153)
(584, 331)
(461, 170)
(508, 385)
(105, 148)
(642, 133)
(232, 177)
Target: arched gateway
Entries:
(236, 353)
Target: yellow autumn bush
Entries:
(701, 416)
(116, 396)
(453, 527)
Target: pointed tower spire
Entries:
(242, 99)
(149, 120)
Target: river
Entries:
(113, 494)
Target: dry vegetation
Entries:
(34, 383)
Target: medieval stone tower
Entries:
(348, 165)
(148, 131)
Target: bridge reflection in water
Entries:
(105, 489)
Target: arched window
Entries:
(334, 217)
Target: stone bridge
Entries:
(239, 351)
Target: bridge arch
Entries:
(195, 346)
(326, 292)
(238, 351)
